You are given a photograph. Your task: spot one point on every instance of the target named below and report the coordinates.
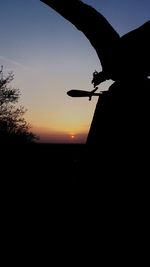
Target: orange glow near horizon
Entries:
(56, 136)
(47, 63)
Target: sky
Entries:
(49, 56)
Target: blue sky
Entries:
(49, 56)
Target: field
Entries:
(70, 172)
(66, 173)
(42, 167)
(57, 189)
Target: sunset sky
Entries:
(49, 56)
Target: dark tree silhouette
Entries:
(13, 126)
(121, 57)
(125, 60)
(115, 168)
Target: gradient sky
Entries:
(49, 56)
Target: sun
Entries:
(72, 136)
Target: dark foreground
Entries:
(72, 198)
(42, 170)
(53, 164)
(47, 169)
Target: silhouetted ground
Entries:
(45, 170)
(41, 170)
(63, 196)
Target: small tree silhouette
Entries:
(13, 126)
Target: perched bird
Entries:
(121, 57)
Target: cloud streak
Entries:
(13, 62)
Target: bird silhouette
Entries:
(121, 57)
